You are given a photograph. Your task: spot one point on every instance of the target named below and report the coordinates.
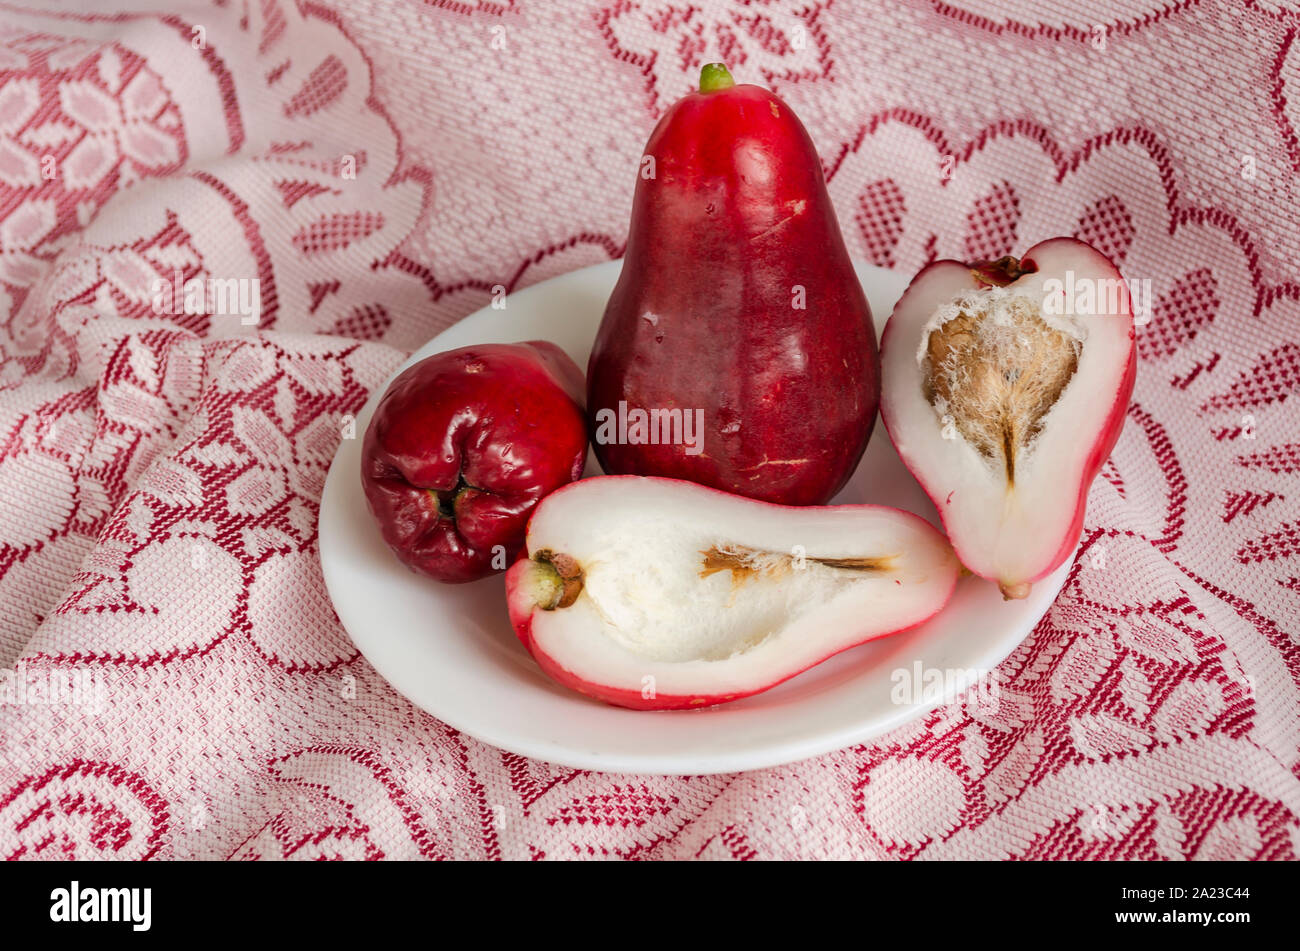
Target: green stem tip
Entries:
(714, 76)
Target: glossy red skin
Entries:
(1107, 436)
(714, 250)
(507, 418)
(521, 619)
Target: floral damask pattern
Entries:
(377, 169)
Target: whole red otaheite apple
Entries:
(1006, 385)
(461, 448)
(661, 594)
(737, 349)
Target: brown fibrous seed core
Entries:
(745, 563)
(568, 574)
(998, 378)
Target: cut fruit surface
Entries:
(1005, 388)
(658, 594)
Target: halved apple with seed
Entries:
(1005, 387)
(661, 594)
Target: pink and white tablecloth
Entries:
(365, 172)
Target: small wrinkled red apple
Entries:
(1006, 385)
(661, 594)
(462, 447)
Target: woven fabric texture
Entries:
(370, 170)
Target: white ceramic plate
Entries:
(451, 651)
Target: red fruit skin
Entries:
(1107, 436)
(521, 619)
(735, 219)
(495, 427)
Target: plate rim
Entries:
(775, 753)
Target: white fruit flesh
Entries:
(997, 398)
(713, 594)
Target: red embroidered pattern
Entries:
(377, 168)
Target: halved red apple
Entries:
(1006, 385)
(662, 594)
